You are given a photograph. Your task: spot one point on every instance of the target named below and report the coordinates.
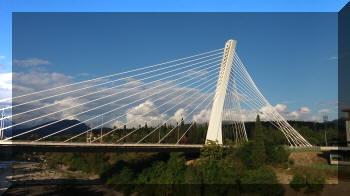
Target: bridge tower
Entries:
(214, 132)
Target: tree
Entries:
(245, 155)
(258, 147)
(298, 182)
(175, 168)
(182, 123)
(315, 182)
(276, 153)
(262, 181)
(211, 151)
(192, 175)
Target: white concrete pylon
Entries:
(214, 132)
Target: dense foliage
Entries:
(298, 182)
(217, 170)
(313, 182)
(237, 168)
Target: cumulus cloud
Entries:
(179, 114)
(304, 110)
(5, 88)
(117, 124)
(300, 114)
(315, 118)
(30, 62)
(144, 112)
(266, 113)
(202, 117)
(25, 83)
(6, 81)
(281, 108)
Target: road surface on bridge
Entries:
(25, 146)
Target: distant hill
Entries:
(53, 128)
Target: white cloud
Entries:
(281, 108)
(117, 124)
(30, 62)
(333, 58)
(6, 81)
(304, 110)
(202, 117)
(300, 114)
(266, 113)
(144, 112)
(5, 88)
(315, 118)
(2, 57)
(25, 83)
(179, 114)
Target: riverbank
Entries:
(25, 178)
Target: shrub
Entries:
(263, 175)
(244, 154)
(315, 183)
(212, 151)
(258, 146)
(276, 153)
(192, 175)
(262, 181)
(210, 172)
(175, 169)
(298, 182)
(152, 174)
(126, 176)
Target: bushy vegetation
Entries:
(315, 132)
(236, 168)
(218, 170)
(314, 182)
(216, 166)
(298, 182)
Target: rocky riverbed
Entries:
(35, 179)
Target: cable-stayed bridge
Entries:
(179, 104)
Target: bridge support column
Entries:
(214, 132)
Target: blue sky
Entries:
(292, 57)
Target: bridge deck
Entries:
(28, 146)
(31, 146)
